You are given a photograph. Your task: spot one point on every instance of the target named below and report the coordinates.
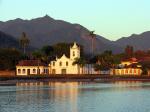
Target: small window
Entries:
(19, 71)
(34, 70)
(53, 63)
(67, 63)
(73, 53)
(60, 64)
(23, 71)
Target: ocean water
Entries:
(122, 96)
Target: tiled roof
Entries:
(130, 60)
(31, 63)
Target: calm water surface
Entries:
(75, 97)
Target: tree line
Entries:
(9, 57)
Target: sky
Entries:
(112, 19)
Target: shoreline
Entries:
(12, 80)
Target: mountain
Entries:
(8, 41)
(139, 42)
(48, 31)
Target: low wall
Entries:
(7, 73)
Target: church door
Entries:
(63, 71)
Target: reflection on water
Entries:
(120, 96)
(53, 93)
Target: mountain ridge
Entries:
(138, 41)
(48, 31)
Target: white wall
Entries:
(31, 70)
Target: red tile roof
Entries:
(130, 60)
(31, 63)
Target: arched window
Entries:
(60, 64)
(34, 70)
(23, 71)
(19, 71)
(67, 63)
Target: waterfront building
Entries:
(31, 67)
(64, 64)
(133, 70)
(128, 67)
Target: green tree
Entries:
(47, 50)
(107, 60)
(80, 63)
(145, 67)
(47, 53)
(24, 42)
(9, 58)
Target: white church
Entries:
(64, 65)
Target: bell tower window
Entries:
(73, 53)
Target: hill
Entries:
(139, 42)
(48, 31)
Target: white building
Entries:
(129, 67)
(64, 65)
(31, 67)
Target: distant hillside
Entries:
(47, 31)
(7, 41)
(139, 42)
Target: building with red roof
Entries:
(31, 67)
(130, 67)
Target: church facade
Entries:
(64, 65)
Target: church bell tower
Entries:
(74, 51)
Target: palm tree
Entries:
(93, 36)
(24, 42)
(80, 62)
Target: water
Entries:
(75, 97)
